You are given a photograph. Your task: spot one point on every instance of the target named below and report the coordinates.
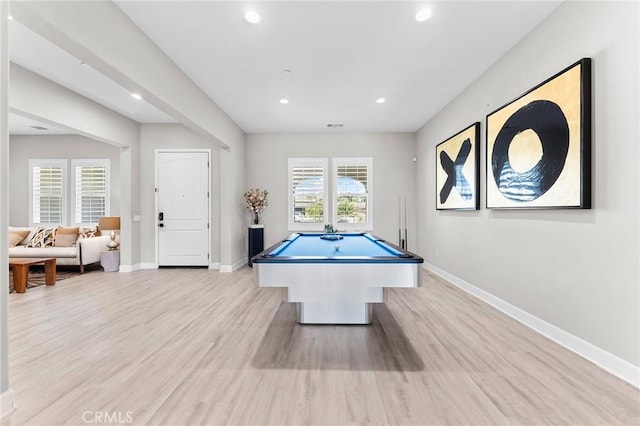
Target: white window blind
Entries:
(307, 189)
(352, 194)
(47, 191)
(91, 190)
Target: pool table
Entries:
(335, 278)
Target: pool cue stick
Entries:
(405, 223)
(399, 221)
(406, 226)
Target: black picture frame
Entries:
(458, 170)
(538, 146)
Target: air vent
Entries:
(335, 125)
(39, 128)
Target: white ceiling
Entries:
(343, 55)
(39, 55)
(19, 125)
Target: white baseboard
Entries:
(240, 263)
(149, 265)
(130, 268)
(156, 266)
(7, 403)
(230, 268)
(607, 361)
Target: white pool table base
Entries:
(336, 293)
(334, 313)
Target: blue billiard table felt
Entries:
(351, 245)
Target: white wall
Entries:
(393, 174)
(101, 34)
(24, 148)
(6, 395)
(227, 187)
(575, 269)
(232, 226)
(172, 136)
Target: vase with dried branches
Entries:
(255, 201)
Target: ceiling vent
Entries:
(335, 125)
(39, 128)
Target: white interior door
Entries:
(182, 213)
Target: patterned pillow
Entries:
(90, 232)
(43, 238)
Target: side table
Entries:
(110, 260)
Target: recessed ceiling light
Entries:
(287, 72)
(84, 64)
(252, 16)
(284, 101)
(423, 15)
(381, 100)
(10, 18)
(136, 96)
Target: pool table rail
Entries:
(396, 254)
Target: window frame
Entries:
(309, 161)
(352, 161)
(35, 162)
(89, 162)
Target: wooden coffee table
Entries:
(20, 268)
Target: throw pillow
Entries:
(43, 238)
(65, 240)
(67, 231)
(16, 236)
(66, 237)
(90, 232)
(25, 240)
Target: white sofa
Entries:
(85, 252)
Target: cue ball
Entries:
(337, 247)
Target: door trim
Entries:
(156, 242)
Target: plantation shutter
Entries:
(353, 192)
(308, 193)
(90, 193)
(47, 194)
(308, 208)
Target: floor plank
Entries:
(199, 347)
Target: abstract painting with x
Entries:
(457, 173)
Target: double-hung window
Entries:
(352, 197)
(308, 209)
(90, 183)
(47, 190)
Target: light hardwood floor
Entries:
(198, 347)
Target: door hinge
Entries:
(207, 255)
(207, 194)
(156, 189)
(207, 226)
